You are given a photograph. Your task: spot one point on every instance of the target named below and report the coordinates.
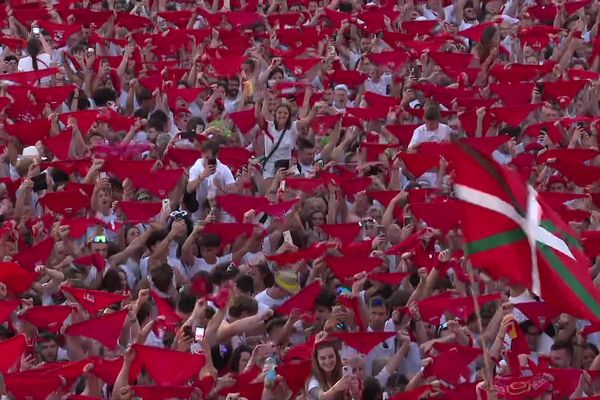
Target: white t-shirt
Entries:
(200, 264)
(284, 151)
(422, 135)
(265, 301)
(379, 87)
(26, 63)
(208, 189)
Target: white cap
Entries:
(30, 151)
(342, 87)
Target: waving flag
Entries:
(511, 232)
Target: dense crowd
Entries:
(249, 199)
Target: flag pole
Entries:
(487, 362)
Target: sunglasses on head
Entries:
(99, 239)
(178, 214)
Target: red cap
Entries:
(16, 278)
(27, 78)
(35, 255)
(7, 307)
(11, 349)
(394, 60)
(237, 205)
(229, 232)
(165, 366)
(513, 93)
(363, 342)
(347, 233)
(184, 157)
(65, 203)
(47, 318)
(31, 385)
(346, 267)
(93, 301)
(540, 313)
(105, 329)
(29, 133)
(163, 392)
(418, 164)
(306, 185)
(234, 157)
(304, 300)
(514, 115)
(140, 211)
(244, 120)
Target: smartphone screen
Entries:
(199, 334)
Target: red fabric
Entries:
(165, 366)
(104, 329)
(11, 349)
(47, 318)
(93, 301)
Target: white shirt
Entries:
(379, 87)
(265, 301)
(207, 188)
(422, 135)
(284, 151)
(200, 264)
(26, 63)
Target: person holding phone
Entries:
(208, 176)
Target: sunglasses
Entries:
(178, 214)
(377, 303)
(99, 239)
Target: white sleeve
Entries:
(195, 171)
(415, 140)
(228, 178)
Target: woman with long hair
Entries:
(328, 382)
(36, 58)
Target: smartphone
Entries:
(39, 182)
(212, 161)
(380, 230)
(36, 30)
(102, 175)
(271, 375)
(287, 237)
(166, 203)
(199, 334)
(385, 396)
(91, 50)
(285, 164)
(346, 370)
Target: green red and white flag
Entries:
(512, 233)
